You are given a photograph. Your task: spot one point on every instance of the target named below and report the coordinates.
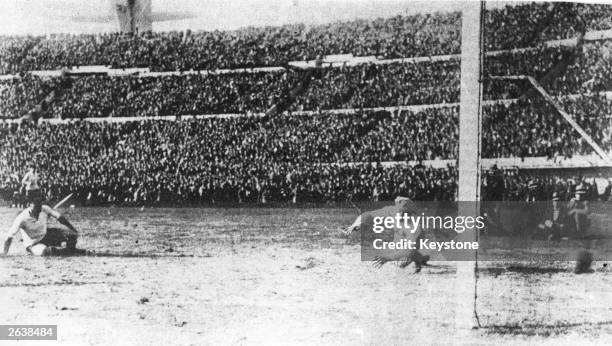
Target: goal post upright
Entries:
(468, 167)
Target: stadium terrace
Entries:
(310, 122)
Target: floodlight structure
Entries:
(134, 15)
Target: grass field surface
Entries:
(277, 276)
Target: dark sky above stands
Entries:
(74, 16)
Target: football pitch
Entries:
(261, 275)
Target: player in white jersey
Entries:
(31, 183)
(37, 237)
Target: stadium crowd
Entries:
(19, 96)
(524, 25)
(372, 85)
(428, 134)
(173, 95)
(349, 87)
(194, 161)
(532, 128)
(514, 185)
(103, 96)
(593, 113)
(297, 158)
(590, 72)
(530, 24)
(400, 36)
(560, 70)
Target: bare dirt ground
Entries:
(276, 276)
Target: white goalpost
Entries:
(470, 126)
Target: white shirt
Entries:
(32, 230)
(31, 181)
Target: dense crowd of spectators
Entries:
(295, 158)
(590, 72)
(372, 85)
(544, 64)
(535, 63)
(533, 128)
(400, 36)
(103, 96)
(529, 24)
(524, 25)
(428, 134)
(561, 70)
(362, 86)
(514, 185)
(196, 161)
(594, 114)
(18, 96)
(299, 158)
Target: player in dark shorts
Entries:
(39, 239)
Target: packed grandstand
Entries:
(296, 134)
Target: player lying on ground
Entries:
(38, 239)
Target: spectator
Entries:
(578, 212)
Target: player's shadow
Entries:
(61, 283)
(539, 329)
(521, 270)
(135, 255)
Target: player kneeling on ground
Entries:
(40, 240)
